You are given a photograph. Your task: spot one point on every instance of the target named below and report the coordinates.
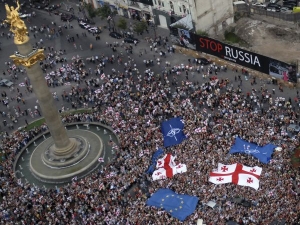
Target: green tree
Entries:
(140, 27)
(122, 24)
(104, 11)
(91, 10)
(202, 33)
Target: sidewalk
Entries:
(103, 22)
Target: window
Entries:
(184, 9)
(180, 9)
(171, 6)
(155, 3)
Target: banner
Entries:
(246, 58)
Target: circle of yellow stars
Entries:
(172, 196)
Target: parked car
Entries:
(273, 9)
(131, 40)
(24, 16)
(6, 83)
(66, 17)
(203, 61)
(273, 5)
(115, 35)
(94, 30)
(258, 4)
(52, 8)
(289, 5)
(286, 10)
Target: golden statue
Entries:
(17, 26)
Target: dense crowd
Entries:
(134, 104)
(217, 106)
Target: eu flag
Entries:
(154, 159)
(179, 206)
(173, 131)
(263, 153)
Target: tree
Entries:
(140, 27)
(91, 10)
(122, 24)
(202, 33)
(104, 12)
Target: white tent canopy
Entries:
(185, 21)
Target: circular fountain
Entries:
(39, 166)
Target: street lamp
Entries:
(154, 26)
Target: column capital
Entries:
(30, 59)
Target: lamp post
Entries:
(154, 26)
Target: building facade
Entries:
(207, 15)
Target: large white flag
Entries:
(166, 167)
(237, 174)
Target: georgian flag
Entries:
(167, 168)
(237, 174)
(146, 151)
(101, 159)
(101, 186)
(102, 76)
(198, 130)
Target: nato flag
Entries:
(173, 131)
(179, 206)
(263, 153)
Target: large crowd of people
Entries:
(134, 104)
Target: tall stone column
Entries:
(29, 57)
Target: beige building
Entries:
(207, 15)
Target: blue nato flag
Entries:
(262, 153)
(179, 206)
(172, 131)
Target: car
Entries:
(94, 30)
(203, 61)
(258, 4)
(115, 35)
(66, 17)
(274, 5)
(87, 27)
(6, 83)
(131, 40)
(289, 4)
(274, 1)
(82, 24)
(272, 9)
(24, 16)
(286, 10)
(52, 8)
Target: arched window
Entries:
(161, 3)
(171, 6)
(184, 9)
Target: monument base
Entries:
(88, 148)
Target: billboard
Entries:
(246, 58)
